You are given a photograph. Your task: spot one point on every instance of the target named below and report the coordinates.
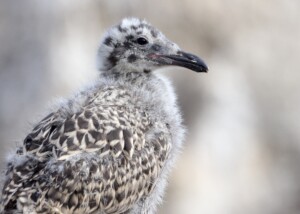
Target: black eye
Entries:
(142, 41)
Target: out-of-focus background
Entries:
(242, 153)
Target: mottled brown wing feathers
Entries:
(97, 159)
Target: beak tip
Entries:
(203, 68)
(206, 70)
(198, 62)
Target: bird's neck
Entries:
(132, 77)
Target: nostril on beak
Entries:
(188, 56)
(193, 59)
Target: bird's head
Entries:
(135, 45)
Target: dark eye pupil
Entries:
(142, 41)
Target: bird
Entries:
(109, 148)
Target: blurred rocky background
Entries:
(242, 153)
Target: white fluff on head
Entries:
(127, 22)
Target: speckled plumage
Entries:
(108, 149)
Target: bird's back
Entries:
(104, 156)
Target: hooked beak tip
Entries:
(192, 62)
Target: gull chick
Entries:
(110, 147)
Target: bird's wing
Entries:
(22, 168)
(103, 157)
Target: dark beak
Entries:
(182, 59)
